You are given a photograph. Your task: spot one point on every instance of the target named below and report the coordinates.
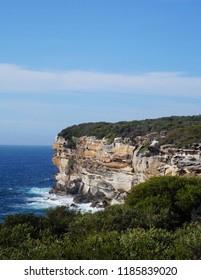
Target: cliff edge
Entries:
(103, 170)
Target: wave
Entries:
(38, 191)
(41, 199)
(39, 203)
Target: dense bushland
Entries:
(181, 130)
(159, 220)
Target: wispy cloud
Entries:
(14, 78)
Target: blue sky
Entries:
(64, 62)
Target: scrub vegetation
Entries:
(180, 130)
(160, 219)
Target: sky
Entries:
(65, 62)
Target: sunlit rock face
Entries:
(103, 173)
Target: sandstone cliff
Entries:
(103, 173)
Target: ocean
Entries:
(26, 177)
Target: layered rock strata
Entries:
(103, 173)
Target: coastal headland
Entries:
(102, 162)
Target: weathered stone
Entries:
(82, 198)
(74, 187)
(104, 174)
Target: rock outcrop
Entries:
(102, 173)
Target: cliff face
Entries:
(103, 173)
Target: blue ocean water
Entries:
(26, 177)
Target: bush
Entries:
(140, 244)
(95, 246)
(166, 202)
(114, 218)
(59, 218)
(187, 244)
(182, 130)
(154, 223)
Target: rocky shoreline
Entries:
(103, 174)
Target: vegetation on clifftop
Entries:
(181, 130)
(161, 219)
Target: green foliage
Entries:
(143, 150)
(140, 244)
(96, 246)
(114, 218)
(157, 221)
(184, 136)
(13, 220)
(187, 243)
(166, 202)
(59, 218)
(181, 130)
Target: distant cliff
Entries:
(101, 162)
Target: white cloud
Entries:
(14, 78)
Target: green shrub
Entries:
(59, 218)
(183, 136)
(154, 223)
(95, 246)
(166, 202)
(140, 244)
(187, 244)
(181, 130)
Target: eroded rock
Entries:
(103, 173)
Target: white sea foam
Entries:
(38, 191)
(38, 203)
(44, 200)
